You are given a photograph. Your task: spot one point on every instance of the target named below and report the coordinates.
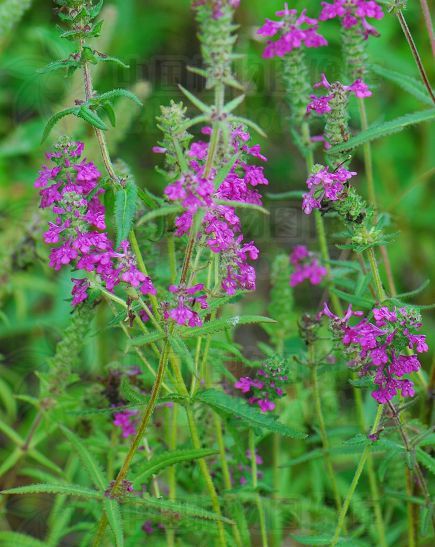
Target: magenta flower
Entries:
(293, 32)
(306, 267)
(126, 421)
(186, 299)
(78, 232)
(352, 13)
(379, 347)
(325, 186)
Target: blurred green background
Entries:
(157, 38)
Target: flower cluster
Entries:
(186, 298)
(353, 13)
(325, 186)
(71, 189)
(294, 31)
(381, 347)
(306, 266)
(321, 105)
(221, 227)
(268, 384)
(126, 421)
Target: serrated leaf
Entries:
(218, 325)
(55, 488)
(125, 209)
(19, 540)
(179, 509)
(56, 118)
(95, 10)
(163, 461)
(85, 113)
(194, 100)
(426, 459)
(249, 415)
(110, 59)
(408, 83)
(88, 461)
(147, 339)
(113, 513)
(58, 65)
(383, 129)
(109, 95)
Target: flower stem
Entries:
(260, 508)
(354, 484)
(320, 226)
(415, 53)
(322, 427)
(376, 276)
(428, 21)
(145, 419)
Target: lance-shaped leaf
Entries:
(194, 100)
(219, 325)
(383, 129)
(408, 83)
(19, 540)
(86, 458)
(113, 513)
(56, 488)
(426, 459)
(232, 105)
(95, 10)
(91, 117)
(162, 212)
(163, 461)
(179, 509)
(250, 416)
(125, 209)
(242, 205)
(56, 118)
(114, 93)
(249, 123)
(109, 59)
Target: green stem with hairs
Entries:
(259, 503)
(354, 484)
(376, 275)
(322, 427)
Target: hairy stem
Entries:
(428, 22)
(354, 484)
(415, 53)
(260, 508)
(322, 427)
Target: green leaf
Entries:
(194, 100)
(95, 10)
(113, 513)
(158, 463)
(109, 95)
(88, 461)
(10, 461)
(19, 540)
(55, 488)
(125, 209)
(110, 112)
(56, 118)
(408, 83)
(9, 432)
(91, 117)
(249, 123)
(312, 540)
(182, 351)
(162, 212)
(249, 415)
(147, 339)
(232, 105)
(242, 205)
(109, 59)
(218, 325)
(293, 194)
(425, 459)
(179, 509)
(383, 129)
(58, 65)
(358, 301)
